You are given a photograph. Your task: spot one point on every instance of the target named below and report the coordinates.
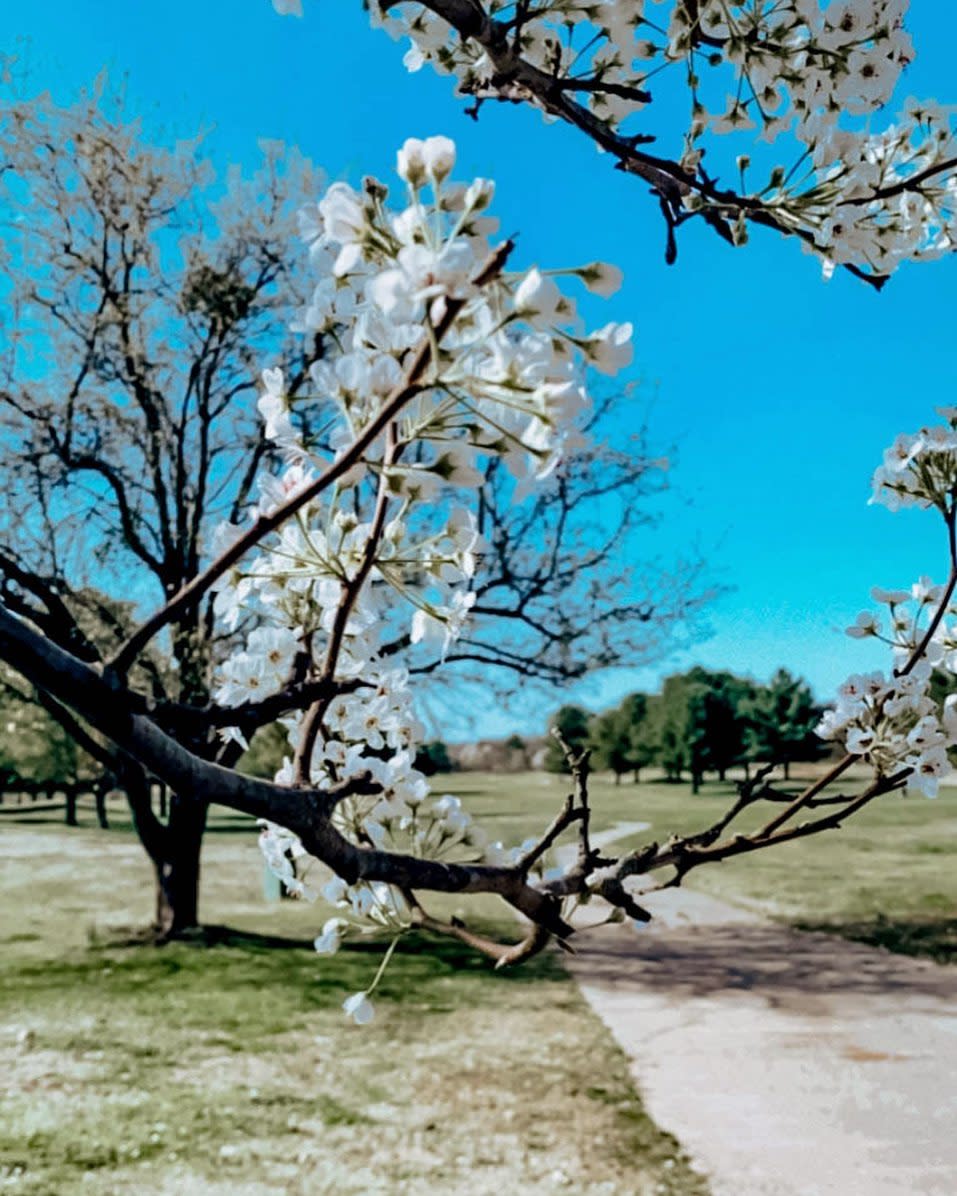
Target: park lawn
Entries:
(231, 1069)
(887, 877)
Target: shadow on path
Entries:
(790, 969)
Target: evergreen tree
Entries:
(781, 718)
(433, 757)
(610, 737)
(572, 723)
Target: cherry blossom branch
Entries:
(501, 954)
(249, 716)
(916, 655)
(350, 593)
(516, 78)
(411, 385)
(307, 813)
(950, 518)
(684, 856)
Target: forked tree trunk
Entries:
(177, 868)
(173, 848)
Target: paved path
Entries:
(787, 1064)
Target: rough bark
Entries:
(178, 868)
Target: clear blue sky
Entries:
(780, 391)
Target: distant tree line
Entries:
(702, 722)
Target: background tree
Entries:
(560, 596)
(781, 718)
(609, 736)
(643, 732)
(725, 721)
(143, 300)
(702, 725)
(572, 724)
(672, 725)
(433, 757)
(517, 754)
(623, 739)
(33, 746)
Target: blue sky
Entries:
(779, 391)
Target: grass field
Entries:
(232, 1069)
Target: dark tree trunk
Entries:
(787, 770)
(174, 850)
(747, 770)
(177, 868)
(99, 794)
(721, 774)
(637, 775)
(617, 778)
(70, 794)
(695, 782)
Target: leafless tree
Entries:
(145, 299)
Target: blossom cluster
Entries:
(894, 724)
(920, 470)
(753, 67)
(505, 382)
(916, 625)
(383, 563)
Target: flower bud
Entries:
(479, 194)
(438, 154)
(411, 162)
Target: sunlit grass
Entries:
(232, 1069)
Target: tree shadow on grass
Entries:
(416, 951)
(932, 938)
(119, 938)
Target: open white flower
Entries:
(359, 1008)
(329, 941)
(538, 299)
(610, 349)
(601, 278)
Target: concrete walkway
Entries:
(785, 1063)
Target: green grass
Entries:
(232, 1069)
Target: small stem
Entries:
(383, 965)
